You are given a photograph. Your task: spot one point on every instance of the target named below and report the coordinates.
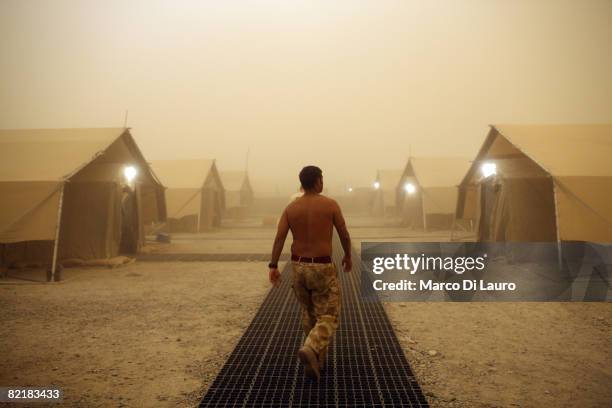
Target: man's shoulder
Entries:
(291, 205)
(329, 202)
(319, 200)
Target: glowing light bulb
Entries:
(130, 172)
(488, 169)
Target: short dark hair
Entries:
(309, 176)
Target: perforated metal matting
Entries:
(365, 365)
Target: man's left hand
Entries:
(274, 276)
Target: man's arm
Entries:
(345, 238)
(277, 248)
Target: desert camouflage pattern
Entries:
(316, 288)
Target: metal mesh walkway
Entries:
(365, 364)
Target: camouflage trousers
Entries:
(316, 289)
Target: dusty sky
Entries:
(347, 85)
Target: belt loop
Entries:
(299, 259)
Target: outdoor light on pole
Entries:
(376, 185)
(130, 173)
(488, 169)
(410, 188)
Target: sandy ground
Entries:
(156, 334)
(144, 335)
(224, 241)
(508, 354)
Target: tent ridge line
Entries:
(125, 130)
(95, 156)
(520, 149)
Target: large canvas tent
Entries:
(64, 194)
(386, 194)
(541, 183)
(427, 197)
(194, 194)
(238, 192)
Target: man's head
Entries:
(311, 178)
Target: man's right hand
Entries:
(347, 263)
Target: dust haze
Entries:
(349, 86)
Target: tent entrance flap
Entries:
(489, 199)
(128, 243)
(518, 210)
(412, 212)
(210, 211)
(90, 220)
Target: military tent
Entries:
(194, 194)
(65, 194)
(386, 196)
(427, 197)
(238, 192)
(541, 183)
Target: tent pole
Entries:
(57, 231)
(201, 192)
(423, 212)
(559, 254)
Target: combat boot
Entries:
(311, 362)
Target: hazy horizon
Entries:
(351, 86)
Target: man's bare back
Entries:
(311, 219)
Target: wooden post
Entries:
(57, 231)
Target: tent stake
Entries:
(57, 232)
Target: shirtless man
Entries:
(311, 219)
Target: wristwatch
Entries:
(273, 265)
